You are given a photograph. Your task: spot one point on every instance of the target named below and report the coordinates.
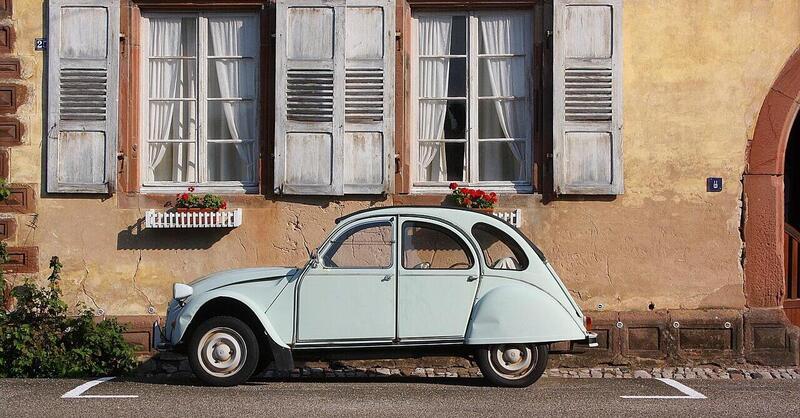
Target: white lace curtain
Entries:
(229, 37)
(506, 34)
(165, 117)
(434, 73)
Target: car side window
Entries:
(363, 246)
(500, 250)
(429, 246)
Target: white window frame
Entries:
(202, 185)
(472, 132)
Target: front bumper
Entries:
(160, 341)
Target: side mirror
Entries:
(314, 258)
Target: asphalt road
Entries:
(398, 397)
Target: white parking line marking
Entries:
(686, 390)
(77, 393)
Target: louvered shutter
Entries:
(333, 130)
(587, 97)
(83, 67)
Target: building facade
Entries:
(601, 124)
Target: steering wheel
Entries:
(422, 266)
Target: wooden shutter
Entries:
(333, 130)
(587, 97)
(83, 67)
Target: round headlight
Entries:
(181, 291)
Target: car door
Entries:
(350, 294)
(437, 280)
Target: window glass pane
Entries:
(504, 119)
(458, 36)
(172, 78)
(502, 77)
(364, 246)
(442, 77)
(173, 37)
(231, 161)
(442, 161)
(428, 246)
(500, 250)
(231, 78)
(504, 33)
(231, 119)
(232, 36)
(457, 80)
(172, 119)
(173, 162)
(501, 161)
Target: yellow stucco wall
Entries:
(695, 74)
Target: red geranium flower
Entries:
(185, 196)
(224, 205)
(453, 186)
(467, 202)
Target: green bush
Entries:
(39, 339)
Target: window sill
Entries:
(202, 188)
(499, 189)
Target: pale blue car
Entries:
(387, 283)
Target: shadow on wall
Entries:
(137, 237)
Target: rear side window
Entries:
(429, 246)
(500, 250)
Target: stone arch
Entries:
(763, 189)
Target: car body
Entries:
(385, 281)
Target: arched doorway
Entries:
(769, 250)
(791, 217)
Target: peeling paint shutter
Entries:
(369, 97)
(333, 131)
(587, 97)
(83, 67)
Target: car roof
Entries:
(462, 217)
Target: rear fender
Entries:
(520, 312)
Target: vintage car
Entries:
(388, 282)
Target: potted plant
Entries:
(190, 202)
(474, 198)
(5, 191)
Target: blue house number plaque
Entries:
(714, 184)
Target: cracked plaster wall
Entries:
(695, 75)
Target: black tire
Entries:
(501, 371)
(216, 338)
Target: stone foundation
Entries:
(632, 339)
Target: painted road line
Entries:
(77, 393)
(688, 392)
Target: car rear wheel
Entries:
(223, 351)
(512, 365)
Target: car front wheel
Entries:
(512, 365)
(223, 351)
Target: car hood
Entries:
(229, 277)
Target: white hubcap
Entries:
(513, 361)
(222, 352)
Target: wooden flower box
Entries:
(193, 218)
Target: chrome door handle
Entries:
(472, 278)
(386, 278)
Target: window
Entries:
(200, 108)
(363, 246)
(428, 246)
(473, 111)
(500, 250)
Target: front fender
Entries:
(519, 312)
(189, 311)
